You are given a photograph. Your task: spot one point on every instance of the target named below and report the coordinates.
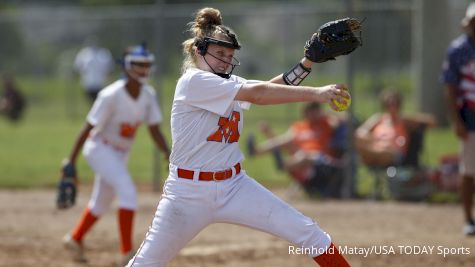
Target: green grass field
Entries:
(32, 150)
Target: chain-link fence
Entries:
(44, 40)
(34, 39)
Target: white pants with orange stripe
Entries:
(112, 177)
(188, 206)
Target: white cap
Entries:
(469, 15)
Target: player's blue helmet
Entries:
(139, 54)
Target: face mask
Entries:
(135, 76)
(139, 55)
(223, 75)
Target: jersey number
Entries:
(127, 130)
(228, 129)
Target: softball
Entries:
(342, 106)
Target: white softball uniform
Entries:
(116, 116)
(206, 122)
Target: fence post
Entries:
(430, 40)
(349, 185)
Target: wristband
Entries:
(296, 75)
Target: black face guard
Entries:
(204, 50)
(233, 64)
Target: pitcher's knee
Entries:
(312, 237)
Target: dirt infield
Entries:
(373, 234)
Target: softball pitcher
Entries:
(107, 137)
(207, 183)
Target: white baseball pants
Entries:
(111, 177)
(188, 206)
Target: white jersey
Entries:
(116, 116)
(206, 121)
(94, 65)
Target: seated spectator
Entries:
(383, 139)
(12, 101)
(315, 147)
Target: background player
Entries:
(107, 137)
(206, 183)
(459, 76)
(94, 64)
